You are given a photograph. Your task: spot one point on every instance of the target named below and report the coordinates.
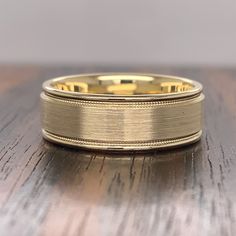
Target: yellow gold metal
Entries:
(122, 111)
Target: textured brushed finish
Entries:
(122, 124)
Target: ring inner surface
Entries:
(123, 85)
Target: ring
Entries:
(122, 111)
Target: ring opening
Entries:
(123, 84)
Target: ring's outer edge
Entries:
(139, 146)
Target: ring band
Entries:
(122, 111)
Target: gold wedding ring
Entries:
(122, 111)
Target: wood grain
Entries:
(47, 189)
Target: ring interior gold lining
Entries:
(122, 86)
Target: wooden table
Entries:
(48, 190)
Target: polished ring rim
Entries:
(48, 88)
(157, 144)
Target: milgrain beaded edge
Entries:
(105, 145)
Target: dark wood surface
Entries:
(48, 190)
